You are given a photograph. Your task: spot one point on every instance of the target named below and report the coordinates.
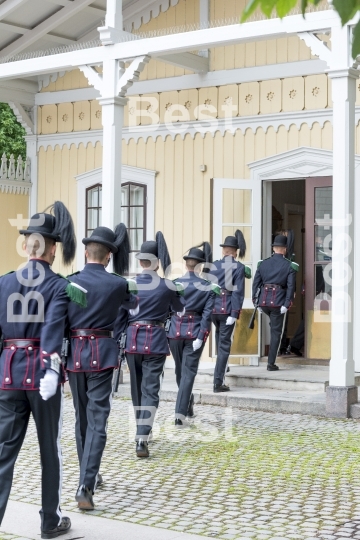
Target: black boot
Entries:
(63, 528)
(142, 449)
(221, 388)
(84, 498)
(272, 367)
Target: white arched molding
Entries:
(129, 174)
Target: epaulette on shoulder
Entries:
(214, 287)
(75, 292)
(73, 274)
(247, 272)
(131, 285)
(180, 289)
(293, 265)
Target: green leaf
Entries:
(267, 6)
(284, 6)
(249, 10)
(12, 134)
(356, 41)
(346, 9)
(304, 5)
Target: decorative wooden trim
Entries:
(23, 117)
(136, 14)
(15, 186)
(188, 82)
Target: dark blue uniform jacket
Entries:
(230, 276)
(199, 299)
(106, 293)
(157, 298)
(276, 271)
(33, 306)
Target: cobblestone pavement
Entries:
(232, 474)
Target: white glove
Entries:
(181, 313)
(135, 311)
(49, 384)
(283, 310)
(197, 344)
(230, 320)
(260, 310)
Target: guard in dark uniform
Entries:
(146, 342)
(94, 351)
(33, 307)
(230, 275)
(188, 334)
(276, 278)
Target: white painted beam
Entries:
(46, 26)
(9, 6)
(96, 11)
(211, 37)
(190, 61)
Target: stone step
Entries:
(288, 378)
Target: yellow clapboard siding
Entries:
(293, 137)
(12, 205)
(260, 144)
(270, 142)
(180, 198)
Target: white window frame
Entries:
(134, 175)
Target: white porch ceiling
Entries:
(28, 25)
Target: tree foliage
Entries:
(346, 9)
(11, 133)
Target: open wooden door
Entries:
(237, 205)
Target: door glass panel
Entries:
(125, 196)
(323, 202)
(237, 206)
(323, 279)
(323, 243)
(92, 219)
(136, 238)
(125, 216)
(93, 197)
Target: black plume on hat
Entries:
(64, 229)
(241, 243)
(122, 242)
(208, 256)
(163, 252)
(290, 243)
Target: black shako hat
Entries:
(202, 255)
(117, 242)
(157, 249)
(237, 242)
(58, 226)
(280, 241)
(104, 236)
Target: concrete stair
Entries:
(288, 378)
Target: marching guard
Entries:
(230, 275)
(94, 352)
(33, 307)
(146, 340)
(188, 333)
(274, 285)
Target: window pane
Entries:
(125, 196)
(323, 243)
(323, 203)
(92, 219)
(100, 196)
(237, 206)
(323, 279)
(93, 197)
(134, 267)
(99, 217)
(125, 216)
(136, 195)
(136, 238)
(137, 217)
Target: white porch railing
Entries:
(15, 175)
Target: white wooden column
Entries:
(342, 392)
(114, 17)
(342, 365)
(112, 120)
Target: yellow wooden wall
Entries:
(58, 168)
(11, 205)
(71, 80)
